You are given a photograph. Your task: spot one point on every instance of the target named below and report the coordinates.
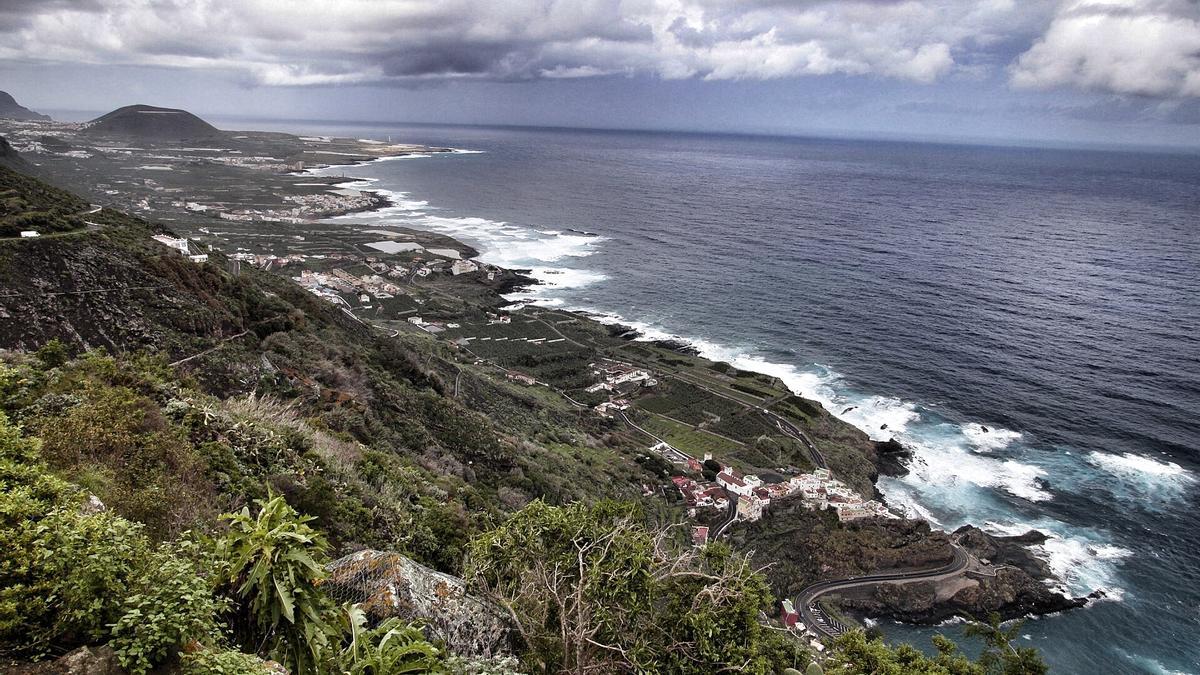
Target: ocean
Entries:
(1025, 319)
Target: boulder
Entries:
(83, 661)
(389, 585)
(892, 457)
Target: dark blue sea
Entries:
(1028, 320)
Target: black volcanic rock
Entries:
(10, 109)
(150, 122)
(1012, 550)
(1015, 588)
(892, 456)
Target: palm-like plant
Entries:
(273, 573)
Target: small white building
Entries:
(178, 243)
(463, 267)
(29, 234)
(733, 482)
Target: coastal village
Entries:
(719, 444)
(699, 431)
(725, 490)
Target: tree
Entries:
(591, 590)
(854, 654)
(999, 656)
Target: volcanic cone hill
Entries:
(153, 123)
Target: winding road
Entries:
(819, 623)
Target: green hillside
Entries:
(184, 448)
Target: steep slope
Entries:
(26, 203)
(111, 286)
(10, 158)
(10, 109)
(153, 123)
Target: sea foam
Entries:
(955, 465)
(1141, 468)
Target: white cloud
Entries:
(1125, 46)
(367, 41)
(1135, 47)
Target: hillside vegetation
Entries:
(183, 451)
(29, 204)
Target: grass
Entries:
(687, 439)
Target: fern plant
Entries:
(392, 647)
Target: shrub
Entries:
(212, 662)
(64, 575)
(117, 443)
(171, 605)
(592, 590)
(65, 571)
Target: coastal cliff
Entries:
(804, 546)
(409, 432)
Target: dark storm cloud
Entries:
(16, 14)
(1147, 47)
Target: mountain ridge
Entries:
(10, 109)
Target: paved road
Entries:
(784, 425)
(816, 620)
(795, 432)
(730, 515)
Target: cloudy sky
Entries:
(1090, 71)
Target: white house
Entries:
(463, 267)
(733, 482)
(178, 243)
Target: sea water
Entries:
(1025, 319)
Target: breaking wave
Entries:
(961, 471)
(499, 243)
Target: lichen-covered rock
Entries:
(391, 585)
(83, 661)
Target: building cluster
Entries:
(819, 490)
(183, 246)
(333, 284)
(332, 202)
(701, 495)
(619, 380)
(270, 262)
(307, 207)
(258, 162)
(431, 326)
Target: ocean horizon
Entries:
(989, 307)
